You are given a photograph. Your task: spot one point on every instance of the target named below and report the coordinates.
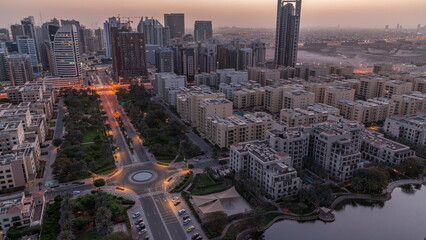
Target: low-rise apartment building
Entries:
(267, 168)
(249, 98)
(297, 99)
(314, 113)
(224, 132)
(372, 110)
(376, 148)
(220, 107)
(411, 128)
(411, 103)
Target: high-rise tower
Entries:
(66, 52)
(287, 32)
(202, 30)
(176, 23)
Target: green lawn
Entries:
(209, 189)
(91, 134)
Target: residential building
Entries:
(164, 60)
(382, 68)
(409, 103)
(410, 128)
(203, 31)
(187, 104)
(314, 113)
(287, 32)
(291, 141)
(229, 89)
(20, 70)
(208, 79)
(207, 58)
(4, 66)
(246, 58)
(334, 94)
(268, 169)
(395, 87)
(153, 31)
(28, 46)
(164, 81)
(259, 52)
(112, 22)
(220, 107)
(16, 30)
(376, 148)
(263, 75)
(297, 99)
(176, 24)
(223, 132)
(249, 98)
(274, 96)
(372, 110)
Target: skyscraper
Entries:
(19, 69)
(66, 53)
(28, 26)
(128, 54)
(4, 34)
(112, 22)
(259, 52)
(246, 59)
(164, 60)
(176, 23)
(207, 58)
(4, 66)
(100, 39)
(27, 45)
(287, 32)
(80, 33)
(153, 31)
(16, 30)
(203, 30)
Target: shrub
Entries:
(99, 182)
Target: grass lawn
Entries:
(164, 158)
(204, 180)
(209, 189)
(91, 134)
(52, 124)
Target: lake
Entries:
(401, 218)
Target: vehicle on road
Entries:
(176, 203)
(195, 235)
(50, 190)
(186, 221)
(182, 211)
(75, 192)
(190, 229)
(136, 214)
(185, 217)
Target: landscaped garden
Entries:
(165, 138)
(86, 149)
(86, 217)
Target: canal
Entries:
(401, 218)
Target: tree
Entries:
(65, 235)
(57, 142)
(373, 180)
(102, 213)
(99, 182)
(104, 227)
(65, 220)
(413, 167)
(80, 222)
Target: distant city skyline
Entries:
(249, 13)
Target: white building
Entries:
(411, 128)
(164, 81)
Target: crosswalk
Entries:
(150, 194)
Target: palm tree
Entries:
(66, 201)
(65, 220)
(101, 200)
(65, 235)
(104, 227)
(103, 213)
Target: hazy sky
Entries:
(243, 13)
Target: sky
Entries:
(240, 13)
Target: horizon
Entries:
(255, 14)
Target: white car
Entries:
(186, 221)
(182, 211)
(136, 214)
(174, 199)
(75, 192)
(143, 231)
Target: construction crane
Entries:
(128, 18)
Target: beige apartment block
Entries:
(409, 103)
(315, 113)
(249, 98)
(220, 107)
(372, 110)
(335, 93)
(224, 132)
(297, 99)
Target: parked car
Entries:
(195, 235)
(199, 238)
(136, 214)
(181, 212)
(139, 221)
(174, 199)
(190, 229)
(185, 217)
(186, 221)
(176, 203)
(143, 231)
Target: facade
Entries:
(287, 32)
(187, 104)
(66, 55)
(229, 89)
(291, 141)
(164, 81)
(164, 60)
(249, 98)
(153, 31)
(220, 107)
(336, 147)
(410, 128)
(246, 58)
(176, 24)
(372, 110)
(376, 148)
(409, 103)
(259, 52)
(223, 132)
(203, 30)
(4, 66)
(28, 46)
(207, 58)
(17, 30)
(263, 75)
(208, 79)
(128, 55)
(297, 99)
(395, 87)
(267, 168)
(20, 70)
(336, 93)
(314, 113)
